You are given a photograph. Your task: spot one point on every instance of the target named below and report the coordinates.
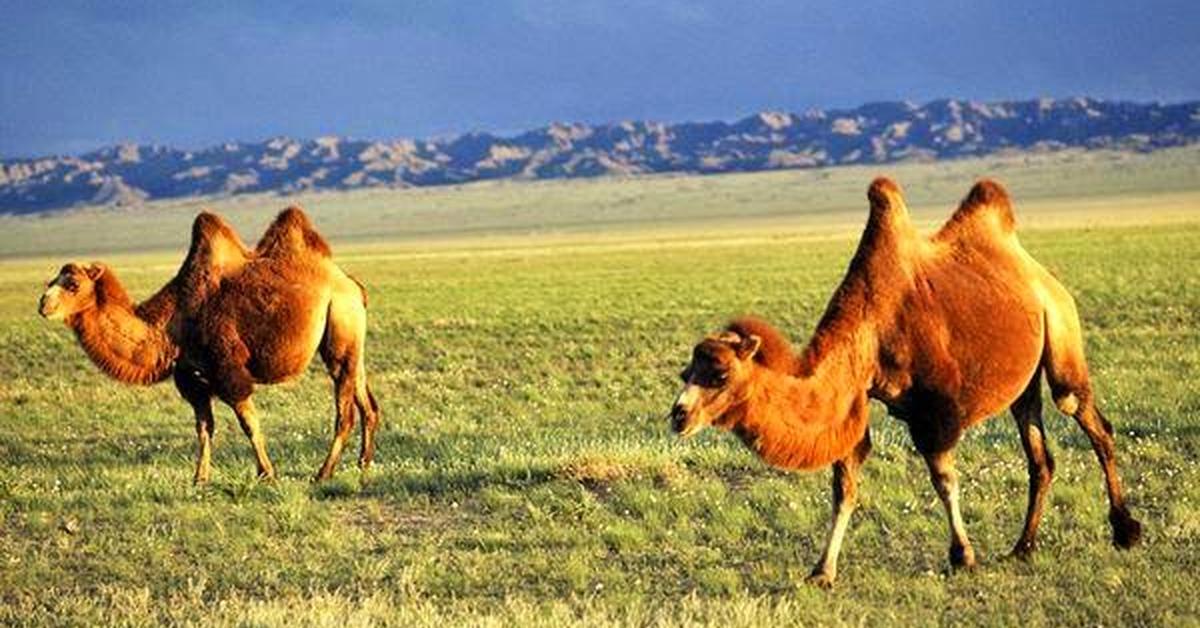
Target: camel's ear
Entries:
(748, 347)
(95, 270)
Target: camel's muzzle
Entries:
(678, 418)
(50, 305)
(685, 424)
(684, 414)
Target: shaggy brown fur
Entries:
(216, 251)
(231, 318)
(945, 331)
(119, 342)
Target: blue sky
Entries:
(78, 75)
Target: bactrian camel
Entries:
(231, 318)
(945, 331)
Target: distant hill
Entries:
(873, 133)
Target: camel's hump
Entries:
(886, 197)
(216, 251)
(987, 200)
(888, 220)
(209, 226)
(292, 233)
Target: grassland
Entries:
(524, 358)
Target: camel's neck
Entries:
(130, 345)
(815, 416)
(159, 310)
(800, 422)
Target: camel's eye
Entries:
(713, 378)
(71, 285)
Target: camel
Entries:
(231, 318)
(945, 331)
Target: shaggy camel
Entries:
(945, 331)
(231, 318)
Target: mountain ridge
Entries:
(880, 132)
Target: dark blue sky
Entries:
(77, 75)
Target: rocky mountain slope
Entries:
(873, 133)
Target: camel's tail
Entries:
(361, 288)
(776, 352)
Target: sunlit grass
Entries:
(526, 475)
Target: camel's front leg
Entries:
(845, 498)
(244, 410)
(192, 387)
(205, 426)
(945, 480)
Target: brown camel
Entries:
(945, 331)
(231, 318)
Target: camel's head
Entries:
(715, 382)
(72, 291)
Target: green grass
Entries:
(526, 474)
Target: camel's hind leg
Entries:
(1067, 373)
(342, 350)
(845, 498)
(1027, 410)
(368, 409)
(1126, 530)
(343, 421)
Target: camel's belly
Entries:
(967, 345)
(284, 333)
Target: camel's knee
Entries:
(845, 487)
(345, 423)
(944, 479)
(1039, 461)
(1046, 469)
(1067, 403)
(1041, 476)
(244, 410)
(370, 415)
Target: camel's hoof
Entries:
(821, 580)
(199, 481)
(1127, 531)
(962, 558)
(1023, 550)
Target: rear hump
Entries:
(291, 233)
(987, 203)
